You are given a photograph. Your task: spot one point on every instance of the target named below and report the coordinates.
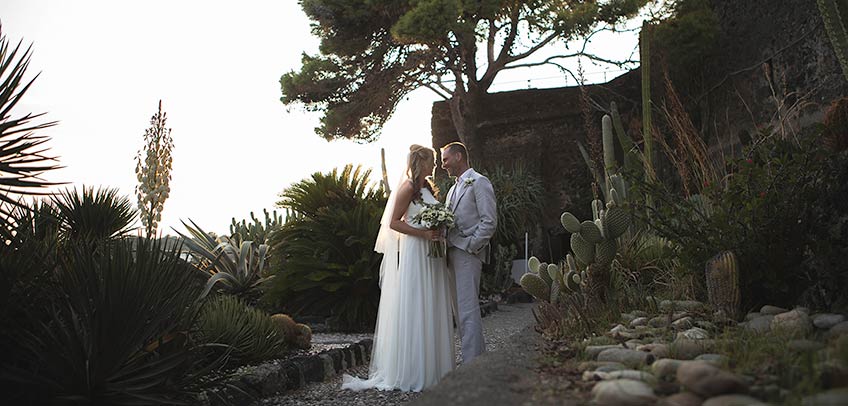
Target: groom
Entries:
(472, 200)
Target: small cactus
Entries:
(302, 337)
(722, 273)
(296, 335)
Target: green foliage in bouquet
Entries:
(323, 257)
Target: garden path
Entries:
(498, 328)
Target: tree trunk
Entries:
(465, 108)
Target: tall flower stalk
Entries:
(154, 172)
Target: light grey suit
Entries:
(472, 199)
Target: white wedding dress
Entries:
(414, 337)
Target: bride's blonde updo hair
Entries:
(416, 164)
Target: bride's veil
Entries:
(388, 239)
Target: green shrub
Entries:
(323, 257)
(115, 331)
(94, 215)
(772, 210)
(519, 200)
(248, 334)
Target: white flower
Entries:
(469, 181)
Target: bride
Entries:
(413, 340)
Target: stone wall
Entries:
(775, 56)
(785, 39)
(539, 129)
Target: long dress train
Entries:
(414, 338)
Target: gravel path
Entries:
(497, 328)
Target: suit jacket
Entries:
(476, 215)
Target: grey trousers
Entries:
(466, 268)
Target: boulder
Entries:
(827, 320)
(623, 392)
(733, 400)
(772, 310)
(682, 399)
(793, 322)
(626, 356)
(708, 381)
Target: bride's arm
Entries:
(403, 196)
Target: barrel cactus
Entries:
(296, 335)
(722, 273)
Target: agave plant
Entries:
(116, 333)
(22, 158)
(236, 270)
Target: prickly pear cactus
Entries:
(535, 286)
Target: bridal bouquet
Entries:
(435, 216)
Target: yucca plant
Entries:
(22, 153)
(324, 258)
(241, 332)
(117, 333)
(94, 214)
(235, 270)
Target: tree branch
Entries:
(533, 49)
(436, 91)
(490, 45)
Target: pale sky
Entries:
(216, 66)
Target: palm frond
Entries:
(22, 153)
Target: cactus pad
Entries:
(554, 273)
(535, 286)
(605, 252)
(571, 224)
(533, 264)
(590, 232)
(616, 222)
(583, 250)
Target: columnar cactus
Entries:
(593, 242)
(722, 273)
(257, 231)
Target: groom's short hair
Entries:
(457, 148)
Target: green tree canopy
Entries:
(374, 52)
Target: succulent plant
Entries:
(535, 286)
(722, 274)
(593, 242)
(296, 335)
